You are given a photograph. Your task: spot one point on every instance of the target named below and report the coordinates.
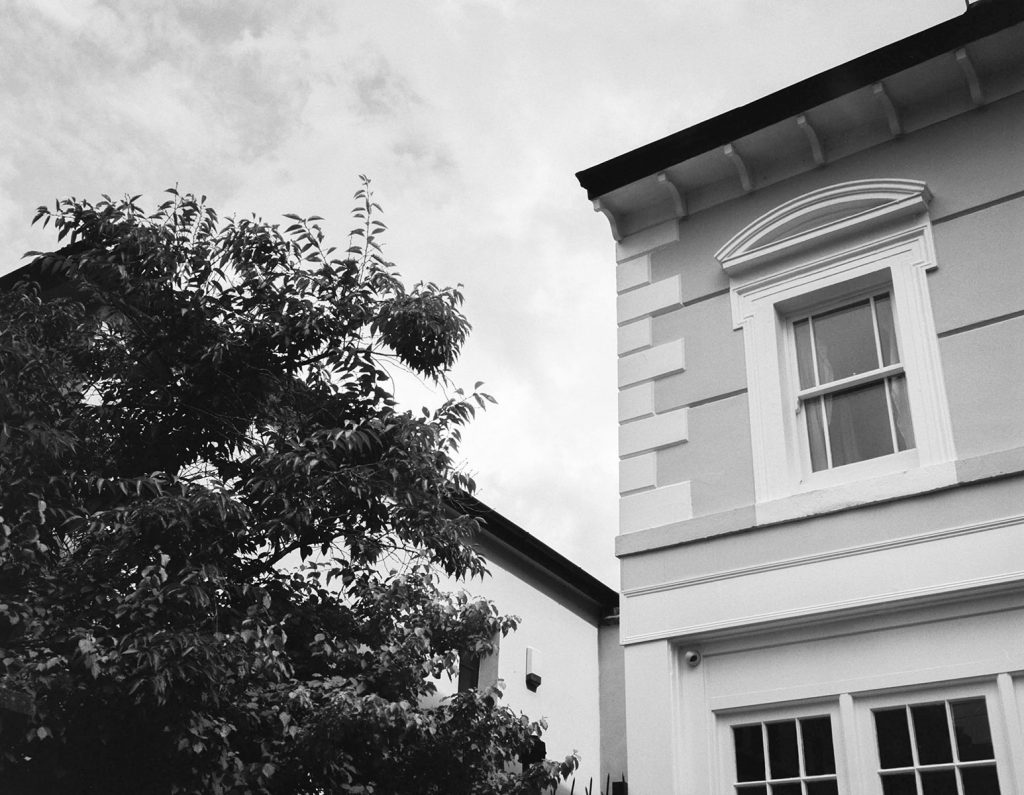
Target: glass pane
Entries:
(844, 341)
(816, 434)
(980, 780)
(886, 330)
(938, 782)
(822, 788)
(893, 738)
(749, 753)
(901, 412)
(931, 730)
(757, 789)
(792, 788)
(819, 758)
(858, 424)
(804, 355)
(783, 756)
(899, 784)
(970, 725)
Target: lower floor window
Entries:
(939, 741)
(940, 748)
(789, 757)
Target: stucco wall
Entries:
(825, 607)
(971, 163)
(613, 705)
(564, 630)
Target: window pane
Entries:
(757, 789)
(901, 412)
(858, 424)
(792, 788)
(844, 341)
(749, 753)
(886, 330)
(900, 784)
(938, 782)
(819, 757)
(816, 434)
(970, 725)
(469, 672)
(804, 355)
(980, 780)
(893, 738)
(783, 757)
(822, 788)
(931, 730)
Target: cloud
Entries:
(380, 92)
(471, 117)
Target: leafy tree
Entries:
(188, 405)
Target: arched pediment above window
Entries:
(821, 215)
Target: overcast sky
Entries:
(470, 116)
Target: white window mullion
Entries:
(953, 747)
(913, 750)
(767, 760)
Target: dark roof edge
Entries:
(981, 19)
(508, 532)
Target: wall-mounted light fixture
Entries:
(532, 669)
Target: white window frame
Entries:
(866, 777)
(824, 246)
(811, 709)
(853, 730)
(831, 476)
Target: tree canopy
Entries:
(188, 406)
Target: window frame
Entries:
(868, 777)
(830, 475)
(871, 233)
(726, 720)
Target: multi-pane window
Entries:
(940, 748)
(788, 757)
(852, 389)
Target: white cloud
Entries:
(470, 115)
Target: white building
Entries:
(821, 372)
(564, 663)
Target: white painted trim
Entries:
(821, 213)
(635, 336)
(647, 240)
(639, 472)
(889, 109)
(633, 273)
(860, 606)
(650, 363)
(864, 232)
(651, 299)
(636, 401)
(655, 432)
(1010, 708)
(850, 551)
(649, 508)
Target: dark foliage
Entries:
(187, 405)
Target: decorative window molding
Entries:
(831, 245)
(827, 212)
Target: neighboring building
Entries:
(564, 663)
(821, 373)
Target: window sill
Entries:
(819, 496)
(995, 465)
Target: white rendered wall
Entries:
(566, 636)
(868, 597)
(672, 291)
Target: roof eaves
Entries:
(981, 19)
(511, 534)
